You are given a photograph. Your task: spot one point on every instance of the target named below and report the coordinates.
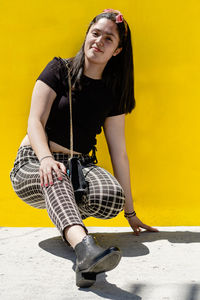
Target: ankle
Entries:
(74, 234)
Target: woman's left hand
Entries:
(136, 225)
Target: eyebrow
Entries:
(106, 32)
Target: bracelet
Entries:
(45, 157)
(130, 215)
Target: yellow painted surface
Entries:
(162, 132)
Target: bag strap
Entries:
(70, 109)
(95, 161)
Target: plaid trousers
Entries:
(105, 197)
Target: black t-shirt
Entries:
(90, 107)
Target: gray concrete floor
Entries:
(35, 264)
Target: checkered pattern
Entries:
(104, 200)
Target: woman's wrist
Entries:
(129, 215)
(44, 157)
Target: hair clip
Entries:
(119, 16)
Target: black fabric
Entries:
(80, 185)
(91, 106)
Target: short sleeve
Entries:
(51, 75)
(116, 109)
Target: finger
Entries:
(58, 172)
(45, 180)
(62, 167)
(136, 233)
(41, 178)
(136, 230)
(49, 176)
(149, 228)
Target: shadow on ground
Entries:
(131, 246)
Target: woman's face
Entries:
(102, 42)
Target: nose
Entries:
(99, 41)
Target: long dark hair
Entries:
(118, 72)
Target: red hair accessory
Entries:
(119, 16)
(119, 19)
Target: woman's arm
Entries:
(114, 133)
(41, 103)
(114, 129)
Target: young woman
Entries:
(102, 93)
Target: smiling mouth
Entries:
(96, 49)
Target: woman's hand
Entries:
(136, 225)
(46, 167)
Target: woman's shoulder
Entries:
(62, 62)
(59, 63)
(62, 66)
(54, 74)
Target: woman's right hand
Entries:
(46, 167)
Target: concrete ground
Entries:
(35, 264)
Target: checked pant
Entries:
(105, 198)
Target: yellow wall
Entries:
(162, 132)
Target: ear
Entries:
(117, 51)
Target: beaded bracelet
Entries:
(45, 157)
(130, 215)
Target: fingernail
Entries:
(51, 183)
(46, 184)
(60, 178)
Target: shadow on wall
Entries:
(131, 246)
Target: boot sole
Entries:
(108, 260)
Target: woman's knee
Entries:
(114, 196)
(106, 205)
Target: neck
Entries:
(93, 70)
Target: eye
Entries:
(94, 33)
(109, 39)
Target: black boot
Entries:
(92, 260)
